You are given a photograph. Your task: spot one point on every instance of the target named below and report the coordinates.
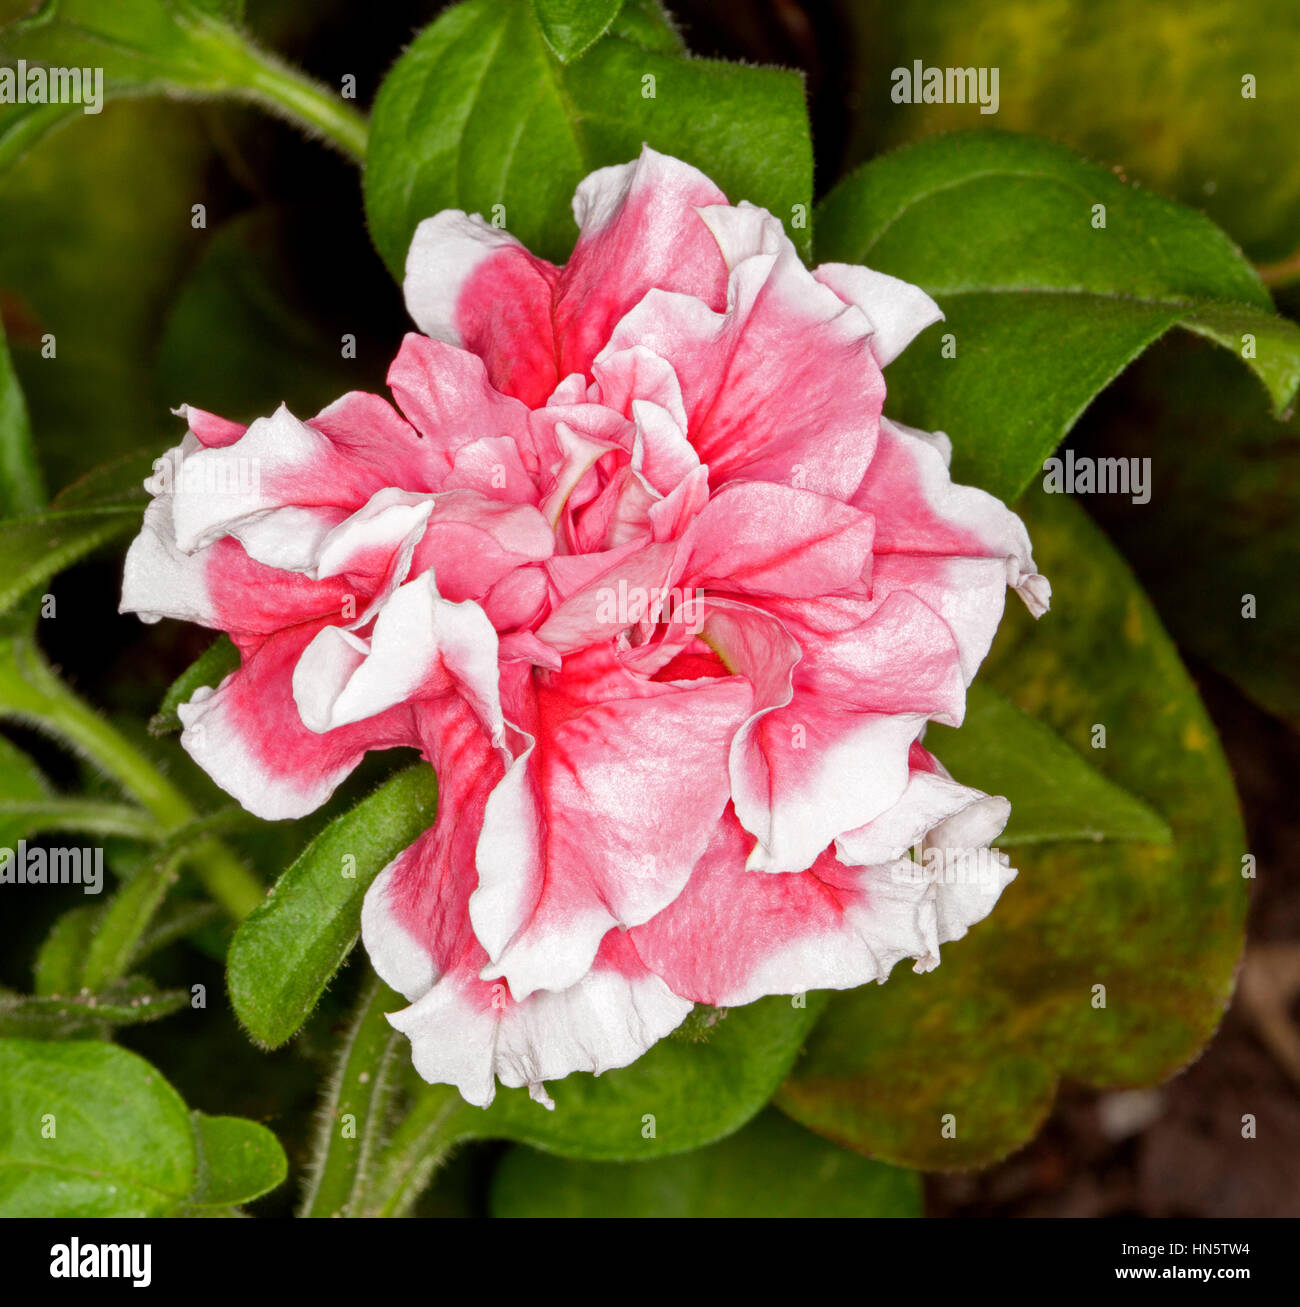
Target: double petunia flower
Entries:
(637, 564)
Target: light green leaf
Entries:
(571, 26)
(445, 135)
(290, 946)
(87, 1129)
(1015, 1005)
(1055, 795)
(771, 1168)
(1043, 307)
(238, 1161)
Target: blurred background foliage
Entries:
(248, 308)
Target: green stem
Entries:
(414, 1151)
(354, 1115)
(32, 692)
(259, 76)
(127, 917)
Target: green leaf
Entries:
(1045, 309)
(210, 668)
(694, 1090)
(97, 276)
(1224, 518)
(172, 47)
(38, 547)
(691, 1089)
(129, 1002)
(1013, 1007)
(125, 918)
(115, 484)
(771, 1168)
(290, 946)
(20, 476)
(58, 963)
(120, 1142)
(22, 783)
(571, 26)
(443, 134)
(88, 1129)
(1054, 793)
(238, 1161)
(1156, 88)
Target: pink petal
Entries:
(599, 821)
(920, 510)
(447, 395)
(732, 937)
(248, 736)
(472, 285)
(422, 647)
(782, 386)
(640, 229)
(897, 310)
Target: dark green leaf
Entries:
(38, 547)
(444, 134)
(287, 950)
(1224, 518)
(1044, 308)
(1054, 793)
(771, 1168)
(1013, 1006)
(571, 26)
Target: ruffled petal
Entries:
(782, 386)
(732, 937)
(472, 285)
(640, 229)
(248, 736)
(600, 819)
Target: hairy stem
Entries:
(30, 691)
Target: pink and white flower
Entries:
(639, 567)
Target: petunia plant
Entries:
(616, 708)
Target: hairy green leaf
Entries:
(287, 950)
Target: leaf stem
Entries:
(264, 79)
(361, 1088)
(31, 691)
(420, 1143)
